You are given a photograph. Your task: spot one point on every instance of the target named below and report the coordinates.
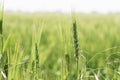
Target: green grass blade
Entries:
(6, 44)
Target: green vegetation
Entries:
(47, 46)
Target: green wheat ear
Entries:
(76, 45)
(1, 27)
(1, 17)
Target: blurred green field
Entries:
(51, 36)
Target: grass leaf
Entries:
(6, 43)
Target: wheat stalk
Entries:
(5, 66)
(67, 60)
(76, 45)
(1, 23)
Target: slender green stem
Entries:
(37, 60)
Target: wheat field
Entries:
(47, 46)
